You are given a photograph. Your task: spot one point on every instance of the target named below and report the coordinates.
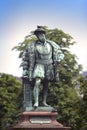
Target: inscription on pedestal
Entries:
(40, 120)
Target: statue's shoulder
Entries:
(31, 46)
(53, 44)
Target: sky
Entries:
(19, 17)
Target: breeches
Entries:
(43, 71)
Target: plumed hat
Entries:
(39, 30)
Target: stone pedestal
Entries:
(34, 120)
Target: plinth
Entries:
(38, 120)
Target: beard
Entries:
(43, 40)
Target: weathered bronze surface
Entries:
(40, 63)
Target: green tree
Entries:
(10, 89)
(83, 102)
(65, 97)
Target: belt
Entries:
(45, 61)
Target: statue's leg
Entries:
(45, 91)
(36, 92)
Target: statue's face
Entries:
(41, 37)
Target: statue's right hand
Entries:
(25, 74)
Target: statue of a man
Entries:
(40, 60)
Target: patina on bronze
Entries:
(40, 59)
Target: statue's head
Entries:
(39, 30)
(40, 34)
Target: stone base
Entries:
(38, 121)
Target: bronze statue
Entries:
(40, 60)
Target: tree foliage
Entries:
(10, 89)
(82, 106)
